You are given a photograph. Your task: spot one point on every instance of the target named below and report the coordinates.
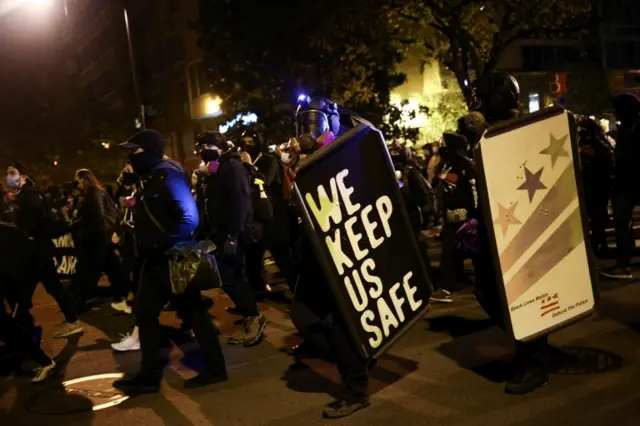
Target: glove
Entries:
(230, 246)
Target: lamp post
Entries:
(136, 87)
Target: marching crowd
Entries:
(238, 202)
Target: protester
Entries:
(32, 217)
(228, 214)
(314, 311)
(626, 191)
(166, 215)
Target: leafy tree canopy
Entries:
(263, 56)
(472, 35)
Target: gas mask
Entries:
(210, 155)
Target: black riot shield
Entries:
(530, 189)
(350, 203)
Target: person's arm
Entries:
(179, 203)
(239, 197)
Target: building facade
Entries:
(165, 64)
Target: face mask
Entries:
(129, 179)
(285, 157)
(13, 181)
(209, 155)
(398, 175)
(143, 162)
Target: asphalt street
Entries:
(448, 370)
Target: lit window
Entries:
(534, 102)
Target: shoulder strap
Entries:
(151, 216)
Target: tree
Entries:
(260, 58)
(470, 36)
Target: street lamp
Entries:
(136, 88)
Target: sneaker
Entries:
(128, 343)
(43, 373)
(69, 329)
(252, 332)
(341, 408)
(617, 273)
(122, 306)
(441, 296)
(206, 379)
(137, 385)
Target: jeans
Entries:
(154, 293)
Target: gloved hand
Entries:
(230, 246)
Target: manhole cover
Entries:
(91, 393)
(586, 361)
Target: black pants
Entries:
(451, 263)
(118, 276)
(597, 200)
(44, 271)
(18, 338)
(277, 239)
(153, 294)
(624, 202)
(255, 267)
(332, 341)
(232, 273)
(93, 260)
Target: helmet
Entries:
(212, 138)
(496, 95)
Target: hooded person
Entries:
(228, 215)
(626, 190)
(165, 215)
(314, 310)
(497, 98)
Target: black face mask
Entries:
(129, 179)
(209, 155)
(143, 162)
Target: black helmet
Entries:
(496, 95)
(212, 139)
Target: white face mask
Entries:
(285, 157)
(398, 174)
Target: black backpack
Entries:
(260, 199)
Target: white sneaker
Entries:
(128, 343)
(122, 306)
(43, 373)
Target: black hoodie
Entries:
(228, 198)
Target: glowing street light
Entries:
(213, 107)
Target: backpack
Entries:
(110, 210)
(55, 222)
(260, 199)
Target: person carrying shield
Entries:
(497, 97)
(314, 310)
